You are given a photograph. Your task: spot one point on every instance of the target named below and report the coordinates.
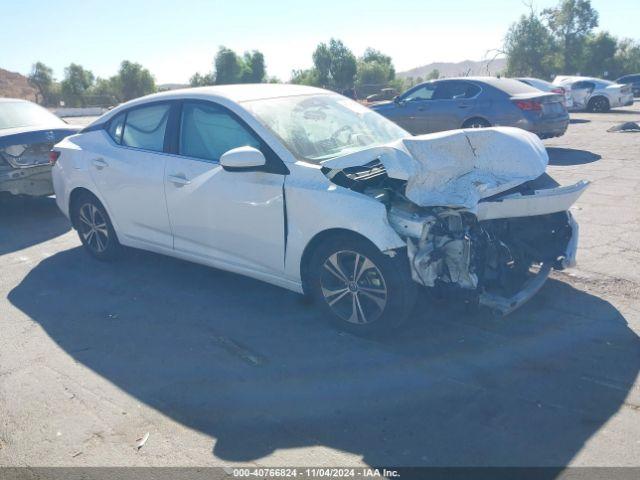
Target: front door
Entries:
(230, 218)
(414, 109)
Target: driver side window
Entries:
(207, 132)
(424, 92)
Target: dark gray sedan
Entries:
(476, 102)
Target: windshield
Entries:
(25, 114)
(320, 127)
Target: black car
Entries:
(633, 80)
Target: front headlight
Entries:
(21, 156)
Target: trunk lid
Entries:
(29, 147)
(547, 104)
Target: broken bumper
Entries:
(506, 305)
(33, 181)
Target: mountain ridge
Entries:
(458, 69)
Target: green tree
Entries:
(309, 76)
(627, 58)
(322, 63)
(599, 55)
(571, 21)
(199, 80)
(105, 91)
(343, 65)
(41, 77)
(372, 55)
(133, 81)
(77, 81)
(228, 67)
(335, 65)
(530, 48)
(254, 70)
(433, 74)
(374, 71)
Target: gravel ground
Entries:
(221, 369)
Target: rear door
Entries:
(129, 173)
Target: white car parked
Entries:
(308, 190)
(595, 94)
(545, 86)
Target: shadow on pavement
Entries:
(579, 120)
(28, 221)
(570, 156)
(252, 366)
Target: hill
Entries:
(14, 85)
(468, 67)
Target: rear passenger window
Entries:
(207, 131)
(115, 128)
(144, 127)
(455, 91)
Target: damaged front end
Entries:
(500, 263)
(494, 243)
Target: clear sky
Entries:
(174, 39)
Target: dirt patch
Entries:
(14, 85)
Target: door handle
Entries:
(99, 163)
(178, 180)
(464, 106)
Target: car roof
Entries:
(237, 93)
(5, 100)
(510, 86)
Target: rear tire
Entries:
(95, 228)
(598, 105)
(476, 123)
(362, 290)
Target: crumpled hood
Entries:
(457, 168)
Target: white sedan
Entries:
(595, 94)
(308, 190)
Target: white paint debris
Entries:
(142, 441)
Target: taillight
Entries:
(559, 90)
(529, 105)
(53, 156)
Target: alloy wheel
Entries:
(353, 287)
(93, 228)
(599, 105)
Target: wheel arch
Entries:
(598, 96)
(474, 117)
(76, 194)
(316, 241)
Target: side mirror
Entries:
(243, 159)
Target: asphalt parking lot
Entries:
(220, 369)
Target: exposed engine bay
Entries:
(489, 254)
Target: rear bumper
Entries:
(546, 128)
(32, 181)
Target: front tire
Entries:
(362, 290)
(95, 229)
